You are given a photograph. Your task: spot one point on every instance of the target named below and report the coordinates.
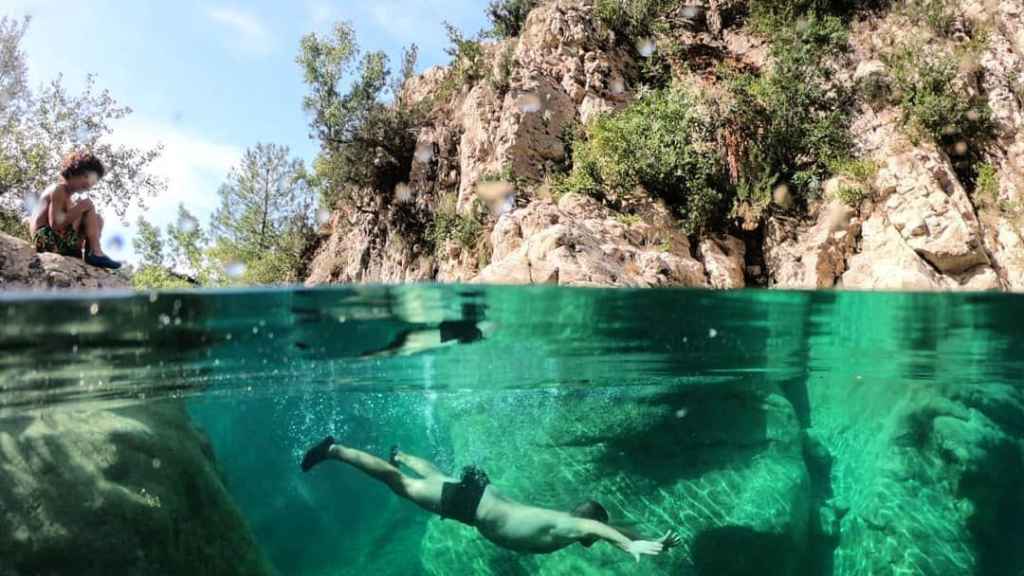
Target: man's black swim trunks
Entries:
(460, 500)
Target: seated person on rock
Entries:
(67, 226)
(473, 501)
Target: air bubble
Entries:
(682, 412)
(165, 320)
(157, 463)
(712, 333)
(115, 244)
(235, 270)
(529, 103)
(94, 309)
(646, 47)
(403, 193)
(424, 152)
(153, 297)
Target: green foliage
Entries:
(987, 185)
(159, 278)
(937, 106)
(664, 143)
(149, 243)
(366, 143)
(933, 103)
(938, 15)
(863, 171)
(468, 62)
(449, 224)
(37, 129)
(794, 119)
(266, 216)
(508, 17)
(12, 224)
(501, 80)
(633, 19)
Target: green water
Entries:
(778, 433)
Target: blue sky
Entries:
(210, 78)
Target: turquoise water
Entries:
(776, 432)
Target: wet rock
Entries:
(21, 268)
(132, 491)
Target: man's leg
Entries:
(421, 466)
(93, 228)
(425, 493)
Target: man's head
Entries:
(81, 170)
(592, 511)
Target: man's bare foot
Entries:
(394, 457)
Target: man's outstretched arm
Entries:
(582, 528)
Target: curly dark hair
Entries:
(79, 163)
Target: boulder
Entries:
(21, 268)
(130, 491)
(577, 242)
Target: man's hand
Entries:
(652, 548)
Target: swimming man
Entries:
(473, 501)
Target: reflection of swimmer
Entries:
(447, 333)
(473, 501)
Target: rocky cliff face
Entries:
(921, 228)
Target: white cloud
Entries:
(193, 167)
(251, 35)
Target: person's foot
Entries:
(393, 457)
(317, 454)
(101, 261)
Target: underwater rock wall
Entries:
(130, 491)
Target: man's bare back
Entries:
(475, 502)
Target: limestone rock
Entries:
(808, 258)
(133, 491)
(21, 268)
(724, 259)
(930, 209)
(578, 243)
(887, 263)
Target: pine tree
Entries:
(266, 215)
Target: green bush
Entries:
(632, 19)
(665, 143)
(987, 185)
(794, 119)
(938, 15)
(449, 224)
(936, 106)
(12, 224)
(468, 62)
(508, 17)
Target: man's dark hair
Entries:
(592, 511)
(79, 163)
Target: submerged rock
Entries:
(132, 491)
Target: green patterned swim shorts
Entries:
(49, 240)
